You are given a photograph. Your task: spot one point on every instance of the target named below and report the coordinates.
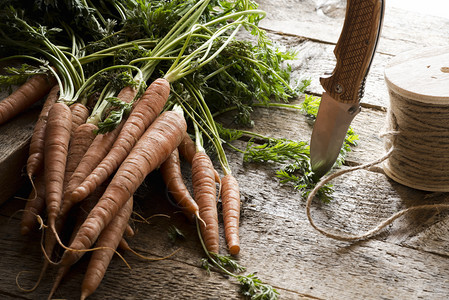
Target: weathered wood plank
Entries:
(406, 261)
(14, 141)
(296, 126)
(295, 20)
(402, 30)
(374, 269)
(314, 59)
(179, 276)
(295, 259)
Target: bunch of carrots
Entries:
(101, 130)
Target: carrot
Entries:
(204, 191)
(34, 206)
(152, 149)
(28, 93)
(172, 176)
(109, 239)
(80, 142)
(81, 214)
(143, 114)
(99, 148)
(187, 149)
(129, 232)
(230, 197)
(124, 245)
(36, 152)
(80, 113)
(57, 137)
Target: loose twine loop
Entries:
(417, 144)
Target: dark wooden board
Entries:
(14, 141)
(408, 260)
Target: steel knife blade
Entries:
(345, 86)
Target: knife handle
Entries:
(354, 50)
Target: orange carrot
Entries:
(123, 245)
(187, 149)
(109, 239)
(36, 153)
(80, 142)
(152, 149)
(81, 214)
(100, 148)
(57, 137)
(204, 191)
(129, 232)
(143, 114)
(80, 113)
(35, 205)
(28, 93)
(97, 151)
(172, 176)
(230, 197)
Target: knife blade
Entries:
(344, 88)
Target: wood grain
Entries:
(421, 75)
(14, 141)
(408, 260)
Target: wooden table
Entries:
(409, 260)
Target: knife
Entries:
(344, 88)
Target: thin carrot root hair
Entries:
(78, 250)
(147, 257)
(86, 250)
(27, 213)
(33, 191)
(201, 220)
(47, 257)
(34, 287)
(142, 219)
(44, 267)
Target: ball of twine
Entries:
(419, 134)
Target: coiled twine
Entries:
(417, 125)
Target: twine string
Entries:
(376, 229)
(417, 145)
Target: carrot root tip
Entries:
(234, 249)
(197, 214)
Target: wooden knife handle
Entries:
(354, 50)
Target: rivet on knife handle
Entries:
(355, 50)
